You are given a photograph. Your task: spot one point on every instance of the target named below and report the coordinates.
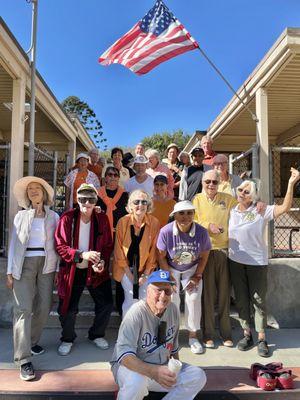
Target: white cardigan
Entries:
(20, 236)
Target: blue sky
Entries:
(183, 93)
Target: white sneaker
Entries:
(64, 348)
(196, 346)
(101, 343)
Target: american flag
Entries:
(156, 38)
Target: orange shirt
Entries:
(79, 180)
(97, 169)
(148, 261)
(162, 210)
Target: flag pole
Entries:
(32, 51)
(254, 117)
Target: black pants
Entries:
(102, 296)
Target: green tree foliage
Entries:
(160, 141)
(73, 105)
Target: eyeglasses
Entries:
(245, 191)
(142, 202)
(113, 175)
(83, 200)
(159, 290)
(209, 181)
(190, 212)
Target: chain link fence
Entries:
(49, 166)
(4, 184)
(245, 164)
(285, 230)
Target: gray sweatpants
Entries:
(32, 303)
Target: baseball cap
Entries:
(87, 187)
(161, 178)
(161, 276)
(183, 205)
(141, 159)
(82, 155)
(196, 150)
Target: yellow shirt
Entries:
(225, 187)
(217, 212)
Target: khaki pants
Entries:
(250, 288)
(216, 289)
(32, 303)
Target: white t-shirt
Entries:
(37, 237)
(246, 235)
(132, 184)
(83, 242)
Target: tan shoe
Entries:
(228, 343)
(209, 344)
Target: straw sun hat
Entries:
(20, 190)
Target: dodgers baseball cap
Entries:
(161, 276)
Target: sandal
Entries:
(285, 379)
(266, 380)
(273, 367)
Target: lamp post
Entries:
(32, 52)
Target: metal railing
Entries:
(4, 185)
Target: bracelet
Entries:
(144, 276)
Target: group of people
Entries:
(159, 228)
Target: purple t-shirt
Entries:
(183, 249)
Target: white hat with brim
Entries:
(20, 190)
(184, 205)
(140, 160)
(82, 155)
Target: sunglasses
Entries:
(113, 175)
(245, 191)
(190, 212)
(168, 291)
(209, 181)
(142, 202)
(83, 200)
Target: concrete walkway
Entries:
(284, 345)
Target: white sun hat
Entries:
(184, 205)
(20, 190)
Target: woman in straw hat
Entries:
(32, 263)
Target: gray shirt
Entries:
(138, 335)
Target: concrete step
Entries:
(86, 313)
(222, 384)
(84, 319)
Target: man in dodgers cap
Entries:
(147, 338)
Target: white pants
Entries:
(192, 306)
(134, 386)
(128, 294)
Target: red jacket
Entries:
(66, 241)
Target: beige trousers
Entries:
(32, 304)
